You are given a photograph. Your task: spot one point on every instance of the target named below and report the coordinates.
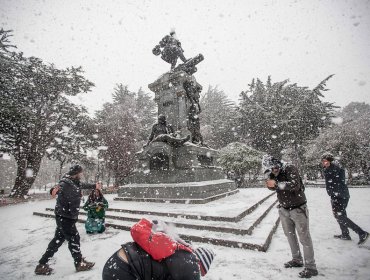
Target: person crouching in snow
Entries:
(95, 207)
(66, 215)
(156, 254)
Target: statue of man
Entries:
(163, 132)
(194, 126)
(170, 49)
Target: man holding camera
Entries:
(66, 214)
(293, 212)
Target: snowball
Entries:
(29, 172)
(337, 120)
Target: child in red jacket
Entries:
(157, 254)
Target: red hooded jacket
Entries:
(158, 245)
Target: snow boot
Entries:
(84, 265)
(293, 263)
(363, 238)
(308, 273)
(342, 237)
(43, 269)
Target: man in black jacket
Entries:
(293, 212)
(66, 214)
(338, 191)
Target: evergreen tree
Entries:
(146, 111)
(278, 116)
(34, 109)
(218, 118)
(240, 159)
(123, 126)
(348, 140)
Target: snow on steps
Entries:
(242, 227)
(246, 230)
(236, 218)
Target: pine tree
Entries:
(240, 159)
(348, 140)
(278, 116)
(34, 110)
(121, 128)
(218, 118)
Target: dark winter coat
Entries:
(289, 187)
(160, 128)
(335, 180)
(69, 197)
(181, 265)
(96, 209)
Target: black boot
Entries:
(84, 265)
(363, 238)
(43, 269)
(342, 237)
(293, 263)
(308, 273)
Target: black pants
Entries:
(339, 206)
(66, 230)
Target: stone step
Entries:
(242, 227)
(181, 215)
(234, 218)
(260, 240)
(211, 196)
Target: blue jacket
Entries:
(335, 180)
(69, 197)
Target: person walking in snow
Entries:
(66, 214)
(337, 189)
(95, 206)
(157, 254)
(293, 212)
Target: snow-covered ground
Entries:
(25, 237)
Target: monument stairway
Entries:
(251, 228)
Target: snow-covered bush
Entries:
(239, 160)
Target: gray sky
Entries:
(304, 41)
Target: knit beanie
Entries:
(269, 162)
(327, 156)
(205, 257)
(75, 169)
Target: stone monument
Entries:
(175, 165)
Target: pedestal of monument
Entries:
(166, 173)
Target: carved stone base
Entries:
(183, 174)
(195, 192)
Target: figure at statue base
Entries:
(163, 132)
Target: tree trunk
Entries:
(61, 165)
(350, 176)
(296, 159)
(23, 181)
(365, 169)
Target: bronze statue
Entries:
(170, 50)
(194, 126)
(193, 93)
(163, 132)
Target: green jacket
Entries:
(96, 210)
